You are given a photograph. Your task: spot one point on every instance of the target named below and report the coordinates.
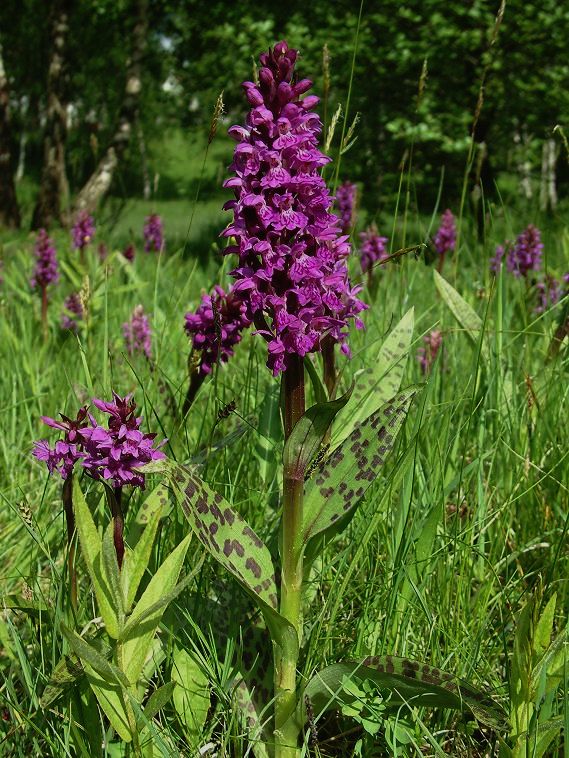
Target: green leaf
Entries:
(14, 602)
(340, 482)
(191, 696)
(543, 629)
(231, 541)
(376, 385)
(463, 313)
(137, 639)
(157, 502)
(114, 702)
(89, 654)
(91, 549)
(269, 435)
(136, 561)
(308, 433)
(158, 699)
(412, 682)
(67, 672)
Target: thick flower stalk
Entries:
(138, 334)
(373, 250)
(114, 453)
(427, 354)
(153, 233)
(46, 271)
(346, 196)
(445, 238)
(214, 329)
(292, 273)
(82, 232)
(292, 258)
(72, 313)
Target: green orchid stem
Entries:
(286, 728)
(329, 362)
(67, 497)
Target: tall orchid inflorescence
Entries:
(346, 195)
(82, 232)
(153, 233)
(72, 313)
(427, 354)
(445, 238)
(46, 271)
(522, 256)
(372, 249)
(292, 258)
(138, 334)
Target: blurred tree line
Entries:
(89, 87)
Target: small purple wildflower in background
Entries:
(129, 252)
(72, 312)
(345, 203)
(216, 327)
(445, 238)
(137, 333)
(426, 355)
(498, 257)
(550, 291)
(292, 257)
(525, 255)
(83, 231)
(46, 270)
(372, 249)
(153, 233)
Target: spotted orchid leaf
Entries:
(308, 433)
(340, 482)
(409, 682)
(463, 313)
(231, 541)
(376, 385)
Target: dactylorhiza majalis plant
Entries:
(291, 274)
(215, 329)
(153, 233)
(114, 453)
(82, 232)
(346, 195)
(46, 271)
(445, 239)
(373, 250)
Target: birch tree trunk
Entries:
(548, 191)
(9, 208)
(100, 180)
(52, 201)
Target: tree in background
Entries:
(9, 208)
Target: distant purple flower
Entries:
(445, 238)
(372, 249)
(525, 255)
(72, 312)
(153, 233)
(550, 291)
(129, 252)
(83, 230)
(498, 258)
(345, 203)
(46, 270)
(292, 260)
(426, 355)
(216, 327)
(63, 456)
(115, 453)
(137, 333)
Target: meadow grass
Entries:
(468, 520)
